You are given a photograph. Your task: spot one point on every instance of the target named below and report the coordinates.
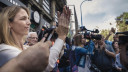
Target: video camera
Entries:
(123, 38)
(50, 31)
(88, 33)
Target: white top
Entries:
(7, 52)
(54, 54)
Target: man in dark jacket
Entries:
(103, 56)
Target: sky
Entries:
(99, 13)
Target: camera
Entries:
(88, 33)
(82, 28)
(50, 31)
(123, 38)
(91, 36)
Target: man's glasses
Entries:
(33, 37)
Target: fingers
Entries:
(48, 43)
(43, 39)
(63, 21)
(68, 12)
(65, 10)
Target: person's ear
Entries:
(10, 25)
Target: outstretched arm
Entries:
(34, 59)
(107, 37)
(62, 31)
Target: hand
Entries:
(35, 56)
(110, 32)
(63, 23)
(103, 46)
(45, 36)
(119, 69)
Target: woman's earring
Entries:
(9, 29)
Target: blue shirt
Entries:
(117, 62)
(108, 42)
(81, 53)
(90, 47)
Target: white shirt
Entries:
(7, 52)
(54, 54)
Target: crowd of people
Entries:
(57, 55)
(96, 55)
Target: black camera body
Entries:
(82, 28)
(88, 33)
(44, 31)
(123, 38)
(91, 36)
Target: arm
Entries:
(110, 53)
(91, 47)
(83, 51)
(110, 33)
(62, 31)
(36, 56)
(54, 54)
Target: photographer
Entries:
(118, 67)
(82, 52)
(103, 56)
(115, 37)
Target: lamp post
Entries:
(81, 10)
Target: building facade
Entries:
(42, 12)
(73, 21)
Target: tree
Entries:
(121, 22)
(105, 32)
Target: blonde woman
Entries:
(81, 53)
(14, 24)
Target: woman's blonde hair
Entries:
(7, 15)
(78, 39)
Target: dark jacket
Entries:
(102, 60)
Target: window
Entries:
(46, 5)
(13, 2)
(56, 17)
(37, 0)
